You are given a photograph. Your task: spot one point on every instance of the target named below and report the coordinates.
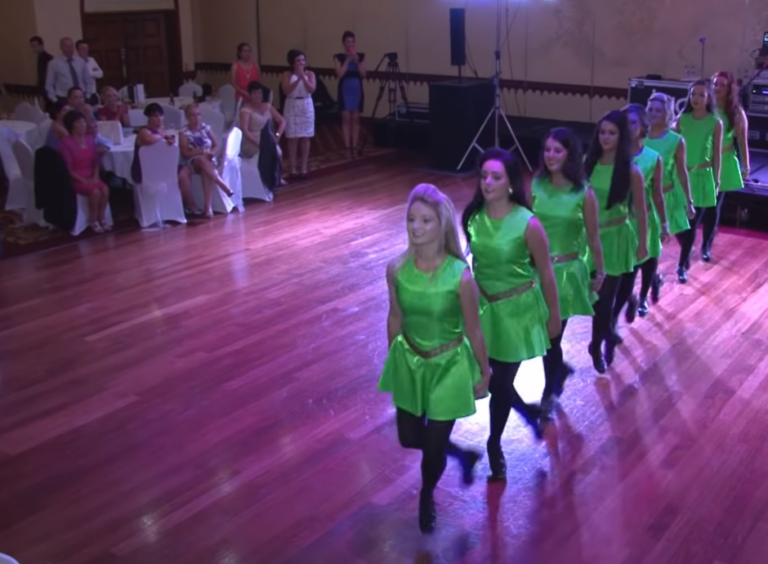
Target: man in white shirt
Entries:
(92, 67)
(67, 71)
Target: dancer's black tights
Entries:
(602, 321)
(554, 368)
(688, 237)
(504, 398)
(624, 292)
(710, 222)
(433, 439)
(648, 269)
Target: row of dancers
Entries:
(573, 247)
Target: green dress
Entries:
(646, 161)
(561, 213)
(730, 170)
(617, 234)
(430, 369)
(699, 135)
(514, 327)
(674, 197)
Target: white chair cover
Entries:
(173, 117)
(26, 161)
(228, 104)
(17, 189)
(215, 119)
(5, 559)
(136, 118)
(42, 132)
(157, 198)
(190, 90)
(111, 130)
(27, 112)
(81, 221)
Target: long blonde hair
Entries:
(669, 106)
(443, 207)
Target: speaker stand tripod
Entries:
(497, 111)
(391, 82)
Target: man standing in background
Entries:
(67, 71)
(92, 67)
(43, 58)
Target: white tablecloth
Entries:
(25, 130)
(181, 101)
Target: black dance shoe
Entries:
(497, 463)
(610, 350)
(682, 275)
(642, 309)
(427, 513)
(598, 361)
(566, 371)
(631, 312)
(656, 285)
(706, 255)
(468, 462)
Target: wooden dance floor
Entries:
(208, 395)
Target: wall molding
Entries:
(608, 92)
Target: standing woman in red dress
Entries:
(244, 71)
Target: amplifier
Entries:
(758, 131)
(640, 89)
(757, 101)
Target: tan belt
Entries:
(668, 188)
(727, 148)
(432, 353)
(614, 222)
(516, 291)
(560, 259)
(701, 166)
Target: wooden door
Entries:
(134, 48)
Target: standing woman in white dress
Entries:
(298, 84)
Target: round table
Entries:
(24, 130)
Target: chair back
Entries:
(214, 119)
(190, 90)
(159, 167)
(234, 140)
(27, 112)
(25, 160)
(136, 118)
(228, 103)
(173, 117)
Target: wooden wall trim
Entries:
(609, 92)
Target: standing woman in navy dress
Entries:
(350, 69)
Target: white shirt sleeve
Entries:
(94, 69)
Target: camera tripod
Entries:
(496, 112)
(392, 82)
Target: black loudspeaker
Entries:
(458, 37)
(457, 110)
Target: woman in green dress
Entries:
(675, 182)
(732, 175)
(519, 310)
(567, 209)
(703, 133)
(437, 363)
(619, 188)
(650, 165)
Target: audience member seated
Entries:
(57, 132)
(198, 147)
(153, 133)
(254, 115)
(76, 101)
(112, 110)
(82, 160)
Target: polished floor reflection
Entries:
(207, 395)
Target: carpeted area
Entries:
(327, 156)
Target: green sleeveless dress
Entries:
(617, 234)
(561, 213)
(699, 144)
(674, 197)
(730, 170)
(646, 161)
(440, 386)
(514, 327)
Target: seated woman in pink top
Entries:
(82, 159)
(112, 110)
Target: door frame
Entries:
(173, 39)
